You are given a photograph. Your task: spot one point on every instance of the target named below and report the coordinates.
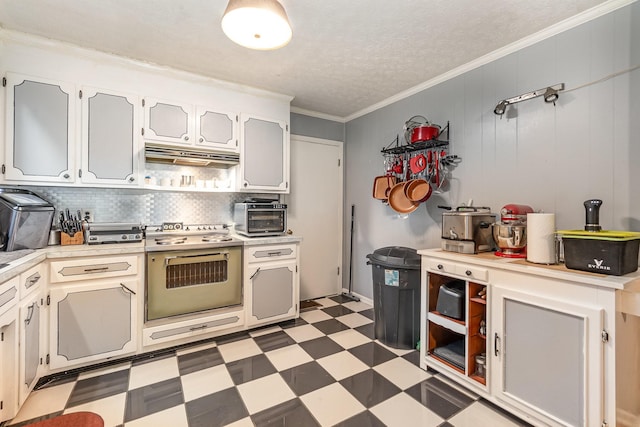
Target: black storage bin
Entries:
(616, 258)
(396, 296)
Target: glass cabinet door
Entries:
(40, 124)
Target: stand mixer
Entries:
(510, 234)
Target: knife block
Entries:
(76, 239)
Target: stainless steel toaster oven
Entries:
(260, 218)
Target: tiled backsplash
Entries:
(146, 206)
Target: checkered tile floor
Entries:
(323, 369)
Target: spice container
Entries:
(481, 365)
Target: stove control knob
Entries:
(124, 237)
(198, 228)
(209, 227)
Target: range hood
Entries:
(189, 156)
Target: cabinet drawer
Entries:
(193, 328)
(92, 268)
(464, 270)
(270, 253)
(440, 266)
(9, 294)
(31, 279)
(474, 273)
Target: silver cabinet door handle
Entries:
(254, 274)
(127, 289)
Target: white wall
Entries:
(551, 158)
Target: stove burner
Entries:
(216, 238)
(170, 240)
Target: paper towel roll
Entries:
(541, 238)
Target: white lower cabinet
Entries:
(32, 349)
(272, 283)
(556, 343)
(548, 356)
(94, 308)
(9, 330)
(92, 322)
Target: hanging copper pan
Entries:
(382, 185)
(418, 190)
(398, 199)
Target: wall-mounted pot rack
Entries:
(395, 147)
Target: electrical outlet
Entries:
(87, 215)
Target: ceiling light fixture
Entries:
(257, 24)
(550, 94)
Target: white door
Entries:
(315, 213)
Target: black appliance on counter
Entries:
(25, 219)
(260, 218)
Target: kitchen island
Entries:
(560, 346)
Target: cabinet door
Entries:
(92, 322)
(31, 348)
(549, 357)
(272, 292)
(110, 131)
(217, 130)
(264, 155)
(39, 130)
(9, 364)
(168, 121)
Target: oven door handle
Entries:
(189, 259)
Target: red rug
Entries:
(76, 419)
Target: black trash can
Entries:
(396, 296)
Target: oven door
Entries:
(189, 281)
(265, 222)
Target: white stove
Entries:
(178, 236)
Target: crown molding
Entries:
(567, 24)
(65, 48)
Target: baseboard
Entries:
(362, 299)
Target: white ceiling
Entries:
(345, 55)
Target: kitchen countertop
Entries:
(30, 257)
(268, 240)
(629, 281)
(16, 262)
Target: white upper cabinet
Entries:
(110, 135)
(178, 123)
(168, 121)
(217, 130)
(264, 155)
(40, 125)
